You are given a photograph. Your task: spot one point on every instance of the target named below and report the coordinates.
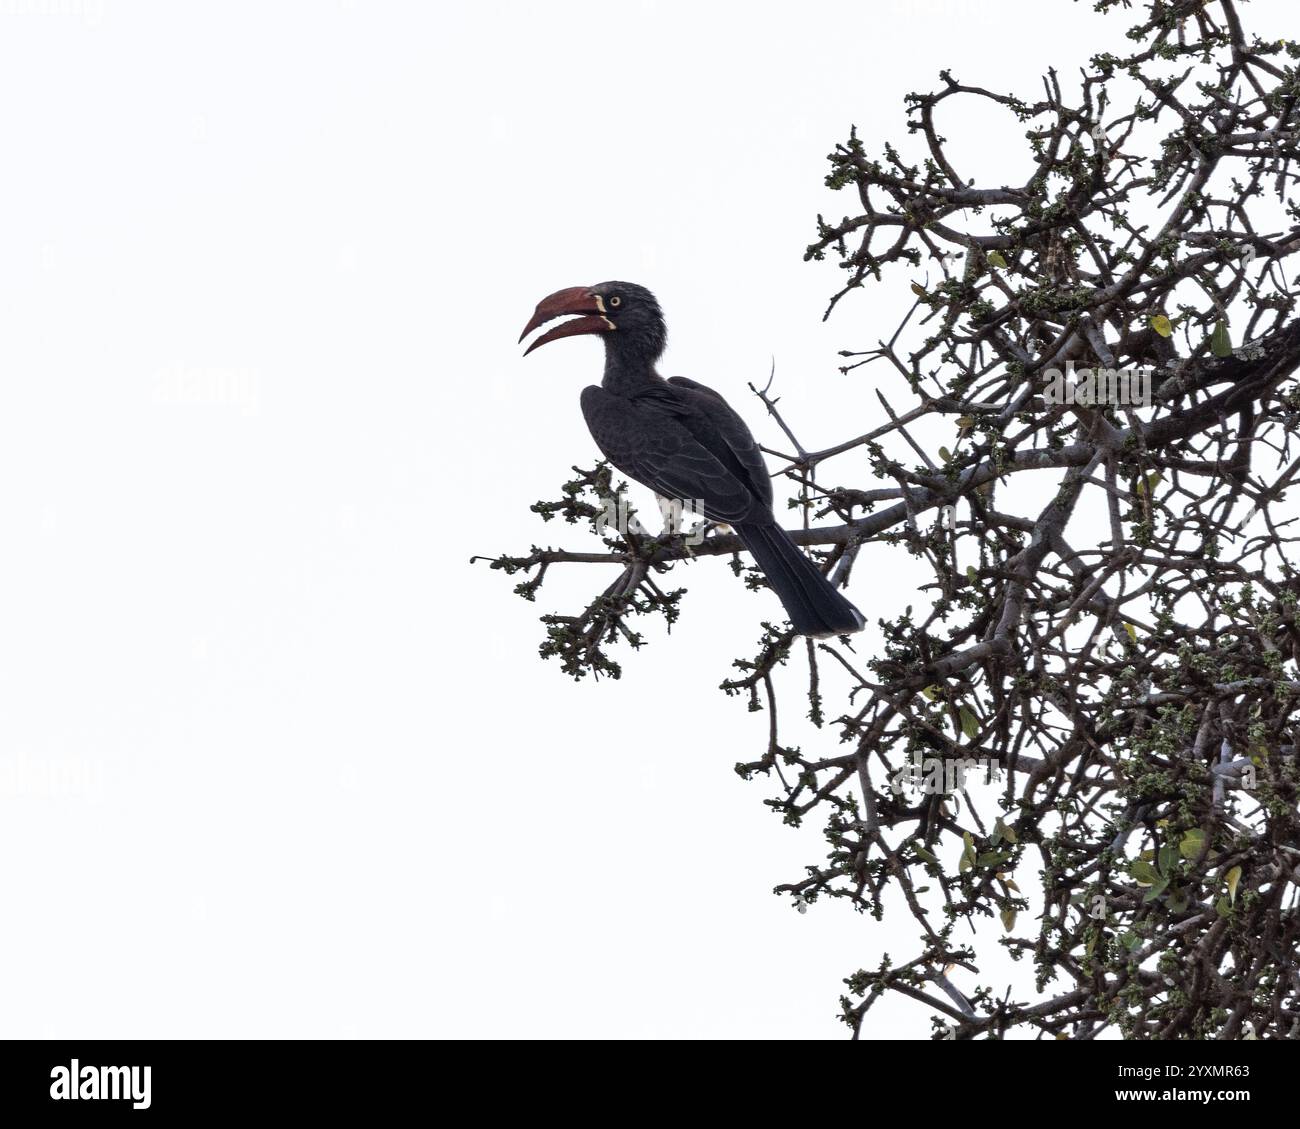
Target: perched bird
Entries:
(685, 442)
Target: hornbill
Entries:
(685, 442)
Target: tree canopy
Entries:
(1080, 741)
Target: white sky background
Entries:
(274, 759)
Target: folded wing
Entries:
(667, 443)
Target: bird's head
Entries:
(627, 315)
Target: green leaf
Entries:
(989, 858)
(1008, 919)
(970, 724)
(1223, 907)
(1168, 856)
(931, 692)
(996, 259)
(1192, 843)
(1161, 325)
(1156, 890)
(1130, 940)
(1143, 487)
(1144, 873)
(1234, 876)
(1132, 632)
(967, 854)
(924, 855)
(971, 574)
(945, 454)
(1220, 342)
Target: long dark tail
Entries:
(814, 607)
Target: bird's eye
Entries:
(615, 301)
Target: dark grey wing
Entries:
(733, 432)
(647, 440)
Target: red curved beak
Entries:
(574, 300)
